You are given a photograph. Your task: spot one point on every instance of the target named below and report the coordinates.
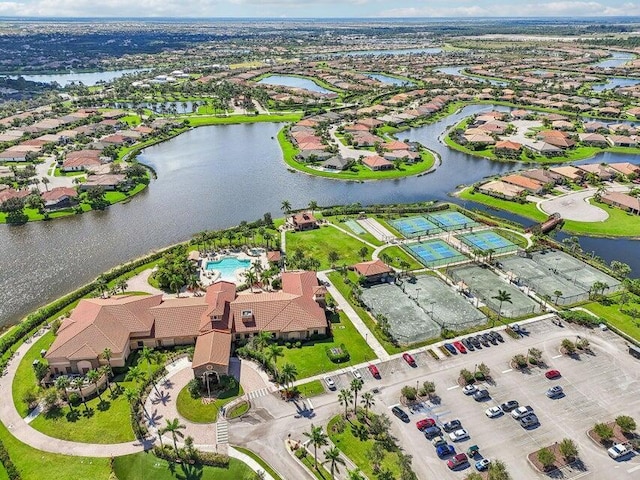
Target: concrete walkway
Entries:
(344, 305)
(32, 437)
(576, 206)
(140, 283)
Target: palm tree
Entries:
(333, 458)
(134, 375)
(174, 426)
(368, 400)
(355, 386)
(288, 374)
(62, 383)
(344, 397)
(286, 207)
(313, 205)
(78, 383)
(503, 296)
(333, 257)
(318, 439)
(45, 181)
(355, 474)
(122, 285)
(106, 355)
(273, 352)
(175, 284)
(250, 277)
(93, 376)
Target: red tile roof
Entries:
(372, 268)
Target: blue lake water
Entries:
(396, 51)
(88, 79)
(297, 82)
(458, 70)
(615, 82)
(616, 60)
(387, 79)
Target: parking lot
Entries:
(597, 388)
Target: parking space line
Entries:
(557, 356)
(507, 371)
(631, 470)
(454, 387)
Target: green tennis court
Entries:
(415, 226)
(355, 227)
(434, 253)
(487, 240)
(452, 220)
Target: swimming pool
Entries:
(228, 266)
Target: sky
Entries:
(319, 8)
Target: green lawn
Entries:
(37, 465)
(147, 466)
(528, 210)
(25, 379)
(619, 224)
(615, 317)
(319, 242)
(3, 473)
(357, 449)
(320, 473)
(311, 359)
(262, 463)
(311, 389)
(359, 172)
(367, 237)
(194, 410)
(215, 120)
(398, 255)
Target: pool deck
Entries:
(209, 277)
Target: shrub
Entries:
(581, 318)
(410, 393)
(467, 376)
(301, 453)
(546, 457)
(12, 471)
(297, 344)
(520, 361)
(74, 399)
(626, 423)
(568, 346)
(195, 387)
(604, 431)
(338, 354)
(568, 449)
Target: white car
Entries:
(520, 412)
(458, 435)
(618, 451)
(356, 373)
(330, 383)
(469, 390)
(493, 412)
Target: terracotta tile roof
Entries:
(524, 182)
(371, 268)
(179, 317)
(11, 193)
(57, 193)
(213, 347)
(376, 161)
(299, 282)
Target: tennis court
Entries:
(355, 227)
(415, 226)
(487, 240)
(452, 220)
(434, 253)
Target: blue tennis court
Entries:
(434, 253)
(452, 220)
(487, 240)
(415, 226)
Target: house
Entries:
(620, 141)
(500, 189)
(623, 201)
(211, 323)
(404, 155)
(81, 160)
(374, 271)
(479, 139)
(543, 176)
(337, 162)
(570, 173)
(625, 168)
(594, 139)
(556, 138)
(19, 153)
(303, 221)
(106, 181)
(9, 193)
(600, 171)
(508, 147)
(376, 163)
(59, 197)
(521, 181)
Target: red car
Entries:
(409, 359)
(374, 371)
(460, 347)
(425, 423)
(457, 460)
(551, 374)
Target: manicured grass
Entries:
(359, 172)
(398, 255)
(513, 237)
(356, 449)
(215, 120)
(35, 464)
(367, 237)
(338, 282)
(25, 379)
(194, 410)
(146, 465)
(619, 223)
(311, 359)
(320, 473)
(615, 317)
(319, 242)
(528, 209)
(262, 463)
(311, 389)
(238, 409)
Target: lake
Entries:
(458, 70)
(615, 82)
(210, 178)
(88, 79)
(395, 51)
(291, 81)
(387, 79)
(616, 60)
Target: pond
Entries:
(296, 82)
(615, 82)
(617, 59)
(390, 80)
(88, 79)
(458, 70)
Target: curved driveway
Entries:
(576, 206)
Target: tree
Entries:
(409, 392)
(535, 355)
(333, 458)
(173, 427)
(568, 449)
(78, 382)
(134, 374)
(498, 471)
(313, 205)
(626, 423)
(250, 278)
(520, 360)
(94, 376)
(546, 457)
(568, 346)
(428, 389)
(45, 181)
(150, 357)
(473, 476)
(386, 474)
(604, 431)
(273, 352)
(375, 455)
(106, 355)
(484, 370)
(122, 285)
(558, 294)
(288, 374)
(333, 257)
(502, 296)
(356, 386)
(344, 397)
(368, 400)
(363, 253)
(621, 269)
(285, 206)
(262, 339)
(318, 439)
(62, 383)
(40, 369)
(355, 474)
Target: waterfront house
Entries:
(302, 221)
(59, 197)
(623, 201)
(376, 163)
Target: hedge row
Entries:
(8, 465)
(137, 405)
(210, 459)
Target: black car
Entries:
(481, 395)
(475, 342)
(432, 432)
(401, 414)
(529, 421)
(489, 338)
(452, 426)
(497, 336)
(482, 340)
(510, 405)
(467, 343)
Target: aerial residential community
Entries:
(320, 240)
